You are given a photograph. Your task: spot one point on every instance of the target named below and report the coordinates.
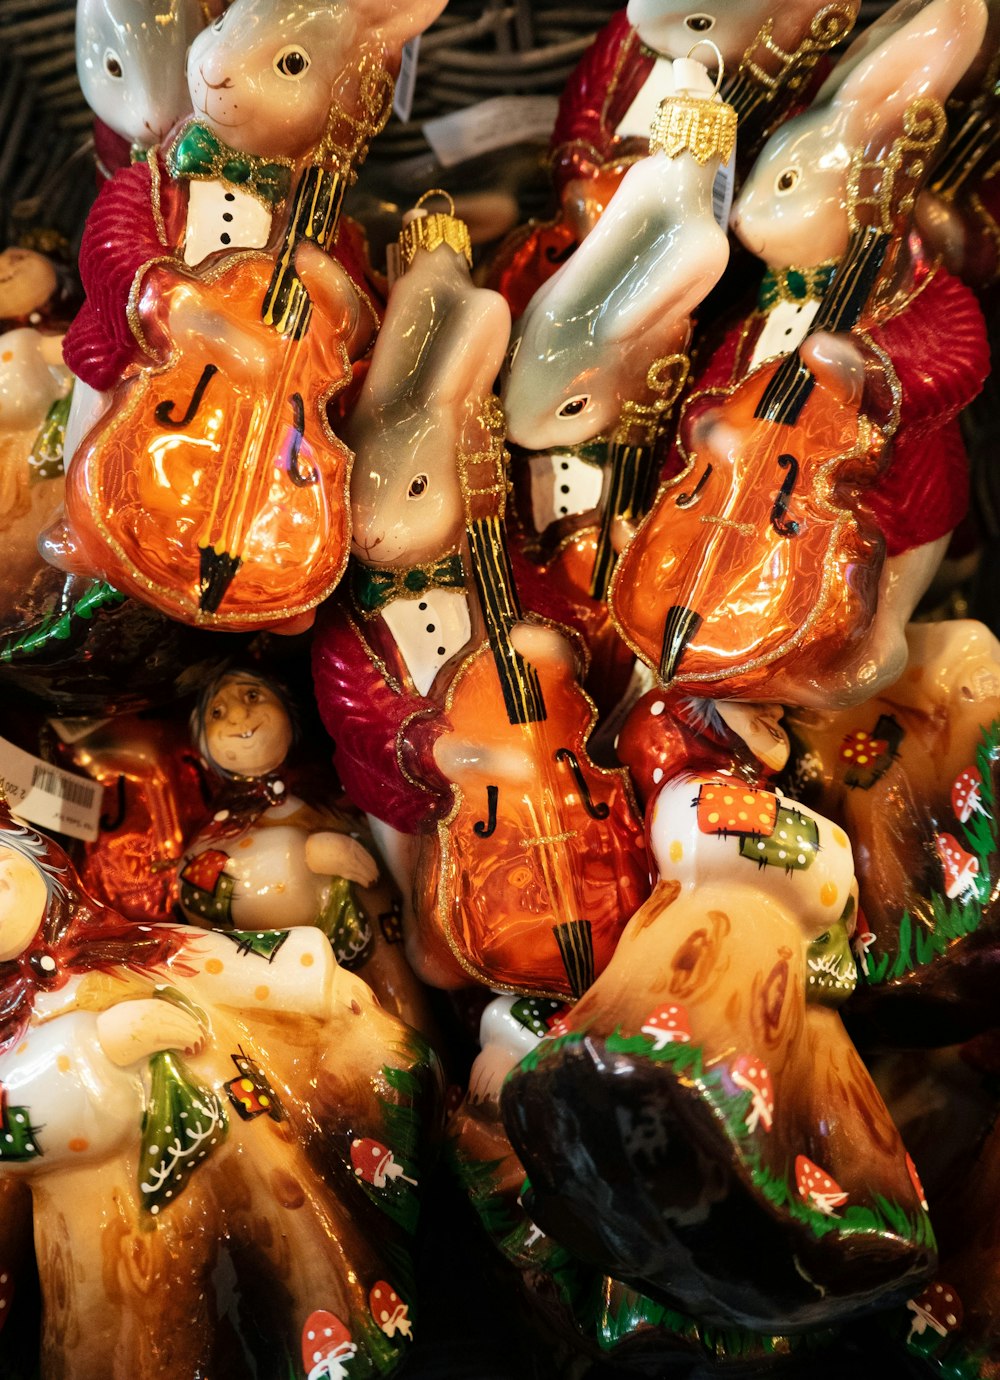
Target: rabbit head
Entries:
(589, 334)
(792, 210)
(439, 350)
(732, 25)
(266, 73)
(130, 61)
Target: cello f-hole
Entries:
(596, 810)
(485, 827)
(687, 500)
(164, 410)
(785, 527)
(296, 474)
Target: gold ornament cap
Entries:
(701, 126)
(428, 229)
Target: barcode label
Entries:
(722, 191)
(58, 783)
(406, 82)
(47, 796)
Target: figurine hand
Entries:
(543, 646)
(338, 855)
(838, 363)
(457, 756)
(133, 1030)
(333, 291)
(246, 358)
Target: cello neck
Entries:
(842, 305)
(315, 216)
(491, 570)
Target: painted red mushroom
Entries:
(668, 1025)
(960, 868)
(752, 1075)
(918, 1187)
(938, 1308)
(966, 797)
(375, 1163)
(816, 1186)
(861, 941)
(389, 1310)
(326, 1346)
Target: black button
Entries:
(564, 465)
(440, 651)
(421, 606)
(430, 627)
(563, 512)
(227, 216)
(225, 238)
(564, 488)
(789, 331)
(230, 196)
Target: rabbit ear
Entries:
(466, 353)
(925, 55)
(392, 24)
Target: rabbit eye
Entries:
(574, 406)
(112, 64)
(786, 180)
(292, 63)
(700, 23)
(418, 486)
(219, 22)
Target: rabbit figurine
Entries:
(599, 355)
(609, 102)
(130, 60)
(915, 358)
(164, 282)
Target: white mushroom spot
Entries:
(657, 774)
(657, 708)
(47, 962)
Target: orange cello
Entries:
(218, 499)
(763, 547)
(534, 873)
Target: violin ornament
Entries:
(763, 561)
(195, 1104)
(234, 355)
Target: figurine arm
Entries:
(383, 737)
(121, 236)
(131, 1031)
(581, 143)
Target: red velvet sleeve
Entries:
(383, 738)
(938, 349)
(580, 140)
(120, 236)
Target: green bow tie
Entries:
(197, 153)
(373, 589)
(794, 284)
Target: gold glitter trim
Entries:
(888, 188)
(155, 184)
(430, 229)
(214, 172)
(686, 124)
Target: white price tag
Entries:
(494, 124)
(406, 82)
(722, 191)
(47, 796)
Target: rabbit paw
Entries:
(338, 855)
